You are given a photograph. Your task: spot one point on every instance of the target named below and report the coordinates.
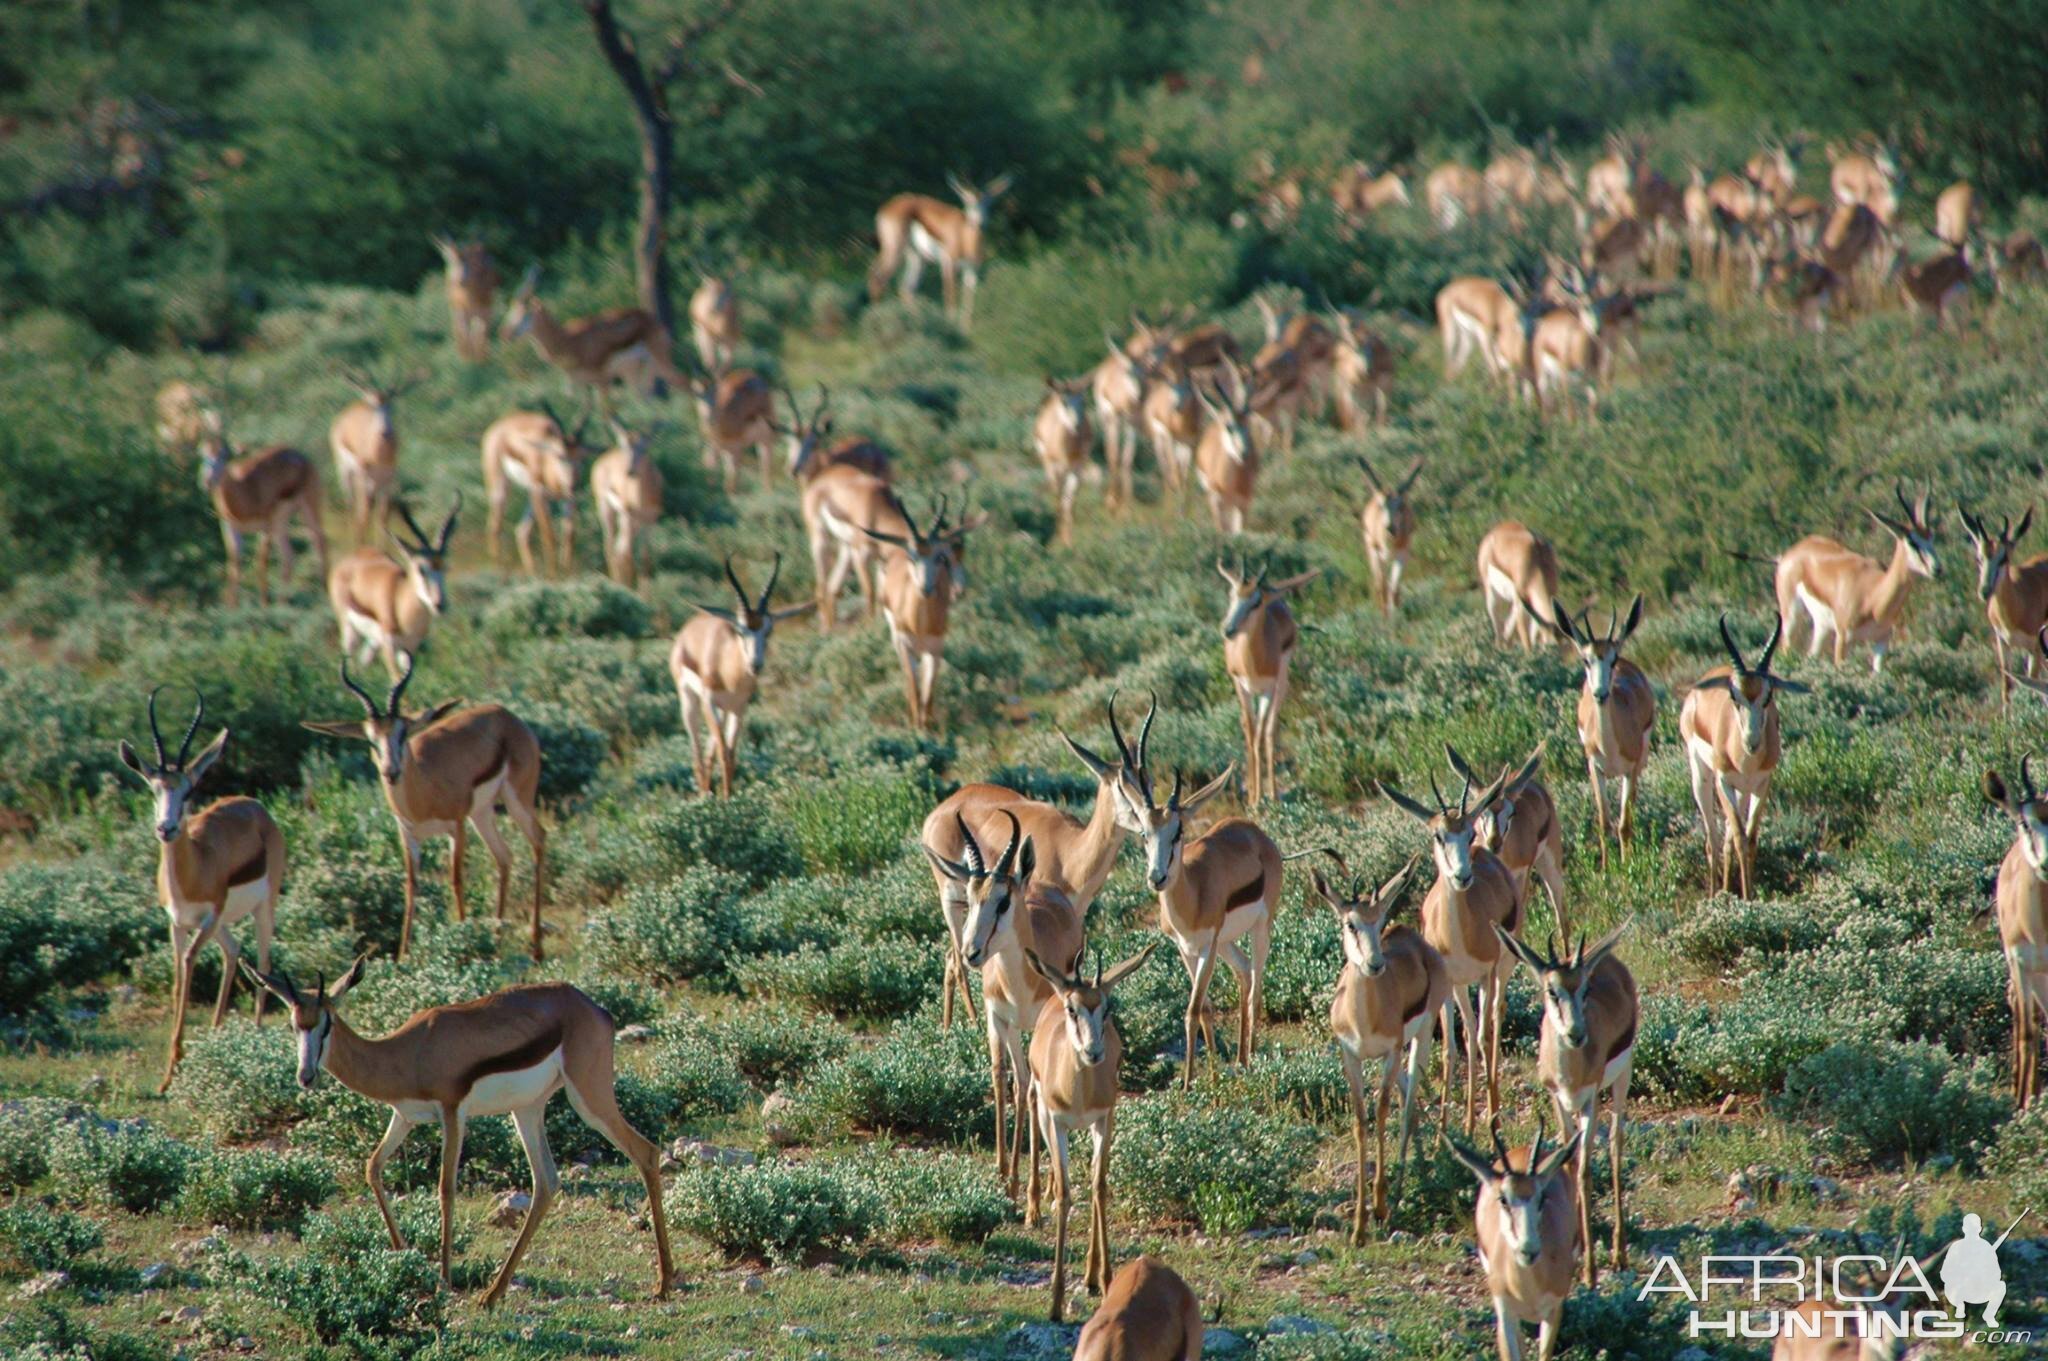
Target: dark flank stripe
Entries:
(526, 1055)
(1620, 1046)
(251, 871)
(1240, 897)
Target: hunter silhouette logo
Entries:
(1970, 1273)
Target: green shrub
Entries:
(779, 1212)
(1877, 1101)
(588, 607)
(773, 1046)
(130, 1165)
(657, 838)
(1725, 930)
(38, 1237)
(348, 1285)
(694, 1073)
(1181, 1158)
(950, 1196)
(2021, 1155)
(884, 978)
(254, 1188)
(919, 1080)
(241, 1081)
(649, 1106)
(630, 1001)
(65, 926)
(571, 751)
(668, 931)
(28, 1125)
(1955, 998)
(857, 822)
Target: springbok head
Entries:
(312, 1012)
(993, 891)
(1915, 531)
(1453, 828)
(2027, 809)
(1128, 779)
(1084, 1002)
(752, 620)
(1754, 689)
(1599, 653)
(1994, 550)
(171, 779)
(426, 555)
(1363, 911)
(1250, 591)
(382, 725)
(1522, 1182)
(1564, 979)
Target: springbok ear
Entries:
(1561, 1155)
(1476, 1165)
(337, 727)
(719, 612)
(1127, 968)
(1099, 768)
(1790, 687)
(1027, 860)
(793, 611)
(1324, 891)
(1635, 617)
(1295, 583)
(1058, 980)
(1209, 790)
(278, 985)
(1608, 942)
(1390, 891)
(1995, 790)
(1404, 803)
(1518, 950)
(340, 987)
(893, 540)
(1887, 524)
(201, 763)
(131, 760)
(1726, 683)
(948, 869)
(434, 715)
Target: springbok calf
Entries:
(186, 414)
(2023, 923)
(1520, 825)
(735, 413)
(715, 322)
(715, 664)
(1847, 597)
(1518, 581)
(504, 1054)
(1227, 453)
(812, 448)
(443, 770)
(536, 452)
(911, 229)
(386, 608)
(472, 280)
(2015, 594)
(1473, 893)
(1259, 636)
(259, 493)
(1173, 423)
(1453, 193)
(1361, 370)
(214, 868)
(1389, 993)
(626, 486)
(1587, 1046)
(1118, 387)
(1729, 724)
(919, 584)
(625, 344)
(1076, 1054)
(1617, 712)
(365, 444)
(1939, 285)
(1389, 525)
(1062, 436)
(1147, 1314)
(1527, 1222)
(1214, 891)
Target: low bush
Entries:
(588, 607)
(859, 821)
(254, 1188)
(951, 1196)
(1181, 1158)
(675, 929)
(1878, 1102)
(882, 978)
(241, 1081)
(778, 1212)
(657, 838)
(28, 1126)
(130, 1165)
(773, 1046)
(2021, 1155)
(571, 752)
(694, 1074)
(1726, 930)
(38, 1237)
(919, 1080)
(65, 926)
(347, 1285)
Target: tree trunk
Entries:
(657, 147)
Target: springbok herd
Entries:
(1015, 876)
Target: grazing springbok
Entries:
(1361, 370)
(260, 493)
(365, 444)
(1617, 713)
(1939, 285)
(1473, 894)
(2015, 594)
(1520, 825)
(1076, 1056)
(443, 770)
(1567, 351)
(911, 229)
(715, 322)
(186, 414)
(1259, 636)
(1478, 316)
(1729, 724)
(1147, 1314)
(1527, 1222)
(626, 486)
(2023, 923)
(1061, 435)
(1388, 522)
(386, 608)
(214, 868)
(625, 344)
(504, 1054)
(920, 581)
(716, 663)
(1587, 1046)
(1118, 386)
(1847, 597)
(1227, 452)
(1215, 890)
(472, 281)
(812, 448)
(735, 413)
(1389, 993)
(1518, 581)
(1867, 177)
(1360, 190)
(537, 453)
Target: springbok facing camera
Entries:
(364, 438)
(920, 581)
(1617, 713)
(260, 493)
(715, 322)
(186, 414)
(1527, 1222)
(443, 770)
(386, 608)
(1520, 826)
(1227, 452)
(735, 413)
(1061, 436)
(2023, 923)
(1388, 522)
(911, 229)
(716, 663)
(1729, 724)
(1259, 636)
(536, 452)
(1147, 1314)
(505, 1054)
(1847, 597)
(2015, 593)
(472, 284)
(214, 868)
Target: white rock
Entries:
(511, 1209)
(778, 1119)
(1306, 1257)
(753, 1285)
(44, 1284)
(635, 1034)
(153, 1273)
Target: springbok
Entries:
(1389, 992)
(214, 868)
(625, 344)
(1566, 349)
(1527, 1222)
(186, 414)
(1453, 193)
(504, 1054)
(1147, 1314)
(715, 322)
(1617, 712)
(626, 485)
(1173, 423)
(1312, 342)
(1868, 177)
(260, 493)
(1227, 453)
(735, 413)
(1473, 893)
(443, 770)
(365, 444)
(472, 281)
(1076, 1055)
(2023, 923)
(1259, 637)
(812, 448)
(715, 664)
(1958, 214)
(1587, 1046)
(1474, 316)
(919, 584)
(1938, 285)
(842, 505)
(1729, 724)
(536, 452)
(2015, 594)
(1359, 191)
(1849, 242)
(1388, 521)
(1061, 435)
(1520, 825)
(911, 229)
(1847, 597)
(1518, 581)
(1118, 386)
(1203, 352)
(1362, 369)
(385, 608)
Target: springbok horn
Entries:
(1007, 861)
(975, 865)
(359, 692)
(155, 735)
(398, 690)
(198, 714)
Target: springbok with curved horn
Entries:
(386, 608)
(1729, 725)
(716, 663)
(627, 486)
(2015, 594)
(1259, 636)
(504, 1054)
(186, 414)
(1061, 435)
(625, 344)
(920, 581)
(911, 229)
(1076, 1055)
(1227, 454)
(1473, 894)
(735, 413)
(472, 281)
(1527, 1222)
(536, 452)
(715, 322)
(2023, 923)
(443, 770)
(1520, 825)
(1617, 712)
(260, 493)
(1361, 369)
(1389, 992)
(1389, 525)
(812, 448)
(1849, 598)
(1147, 1314)
(1518, 581)
(364, 438)
(1587, 1046)
(214, 868)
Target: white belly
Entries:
(847, 534)
(1618, 1065)
(1823, 615)
(244, 899)
(502, 1093)
(1499, 585)
(518, 474)
(363, 626)
(925, 244)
